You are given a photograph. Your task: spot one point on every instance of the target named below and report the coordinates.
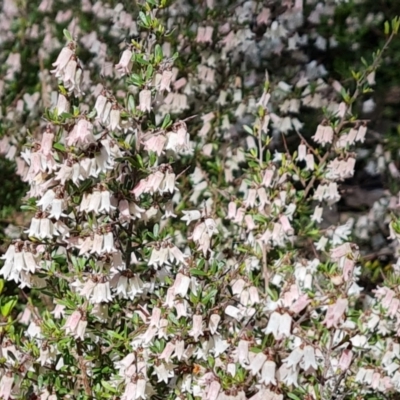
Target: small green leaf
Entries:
(158, 54)
(8, 307)
(92, 114)
(248, 129)
(66, 115)
(59, 146)
(396, 24)
(107, 386)
(166, 122)
(28, 208)
(152, 159)
(136, 80)
(356, 75)
(197, 272)
(143, 18)
(149, 72)
(364, 61)
(260, 218)
(173, 319)
(387, 28)
(131, 103)
(209, 296)
(67, 35)
(255, 350)
(115, 335)
(140, 160)
(345, 95)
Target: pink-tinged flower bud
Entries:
(154, 182)
(81, 134)
(47, 143)
(197, 329)
(317, 215)
(300, 304)
(81, 329)
(166, 79)
(145, 100)
(63, 105)
(388, 297)
(114, 119)
(268, 373)
(72, 322)
(155, 144)
(201, 31)
(309, 358)
(240, 213)
(348, 267)
(179, 349)
(213, 323)
(123, 208)
(393, 308)
(69, 74)
(294, 357)
(108, 244)
(362, 130)
(181, 285)
(301, 152)
(250, 225)
(167, 352)
(59, 311)
(57, 209)
(179, 84)
(279, 325)
(242, 353)
(341, 251)
(213, 390)
(168, 183)
(284, 220)
(349, 167)
(232, 210)
(231, 369)
(6, 384)
(335, 312)
(264, 16)
(323, 135)
(106, 113)
(140, 188)
(345, 360)
(62, 61)
(181, 309)
(342, 108)
(46, 229)
(257, 363)
(100, 105)
(251, 198)
(101, 293)
(268, 176)
(155, 317)
(97, 244)
(376, 378)
(125, 63)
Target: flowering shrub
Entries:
(178, 246)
